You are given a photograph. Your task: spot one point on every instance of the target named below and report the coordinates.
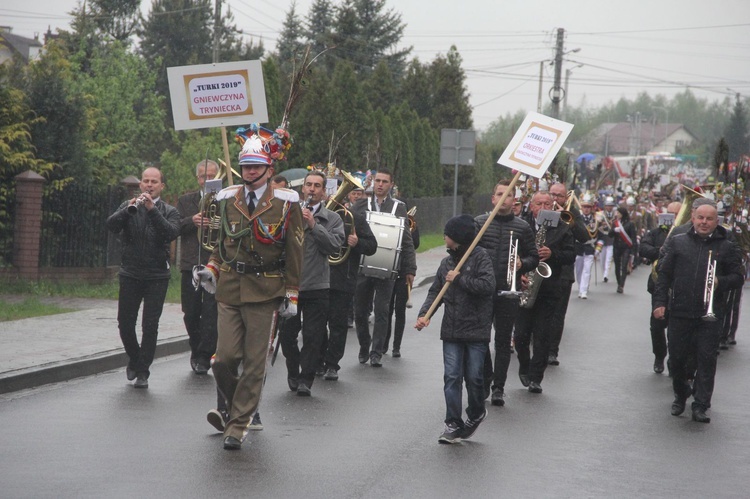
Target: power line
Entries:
(659, 30)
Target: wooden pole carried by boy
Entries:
(531, 151)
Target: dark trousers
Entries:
(338, 327)
(311, 318)
(732, 317)
(199, 315)
(558, 319)
(398, 306)
(132, 293)
(533, 329)
(463, 360)
(371, 290)
(621, 258)
(698, 341)
(659, 335)
(505, 311)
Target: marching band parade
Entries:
(280, 262)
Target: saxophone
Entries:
(536, 276)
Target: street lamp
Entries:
(565, 93)
(666, 123)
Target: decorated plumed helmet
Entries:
(609, 201)
(630, 201)
(261, 145)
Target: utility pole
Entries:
(217, 33)
(556, 89)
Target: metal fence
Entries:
(74, 232)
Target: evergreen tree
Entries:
(415, 89)
(274, 101)
(450, 106)
(737, 133)
(115, 19)
(290, 47)
(351, 113)
(318, 33)
(380, 88)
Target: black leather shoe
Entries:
(396, 354)
(535, 387)
(552, 360)
(699, 416)
(524, 379)
(723, 345)
(293, 384)
(678, 406)
(303, 390)
(375, 361)
(141, 381)
(498, 397)
(231, 443)
(320, 371)
(201, 368)
(130, 373)
(659, 366)
(364, 355)
(331, 374)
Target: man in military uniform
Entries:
(256, 270)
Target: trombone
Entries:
(510, 276)
(708, 290)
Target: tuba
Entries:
(337, 203)
(208, 236)
(536, 276)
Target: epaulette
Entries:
(286, 194)
(228, 192)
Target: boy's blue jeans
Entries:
(463, 360)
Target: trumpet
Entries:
(133, 208)
(708, 290)
(510, 276)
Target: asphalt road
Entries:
(601, 428)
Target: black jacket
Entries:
(496, 240)
(562, 244)
(651, 244)
(408, 264)
(682, 268)
(187, 206)
(344, 275)
(619, 243)
(145, 239)
(468, 300)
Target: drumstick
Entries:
(408, 295)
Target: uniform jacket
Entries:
(188, 205)
(323, 240)
(562, 244)
(235, 288)
(408, 254)
(344, 275)
(585, 241)
(468, 300)
(145, 239)
(682, 269)
(496, 240)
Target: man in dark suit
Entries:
(198, 306)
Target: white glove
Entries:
(205, 277)
(288, 307)
(618, 229)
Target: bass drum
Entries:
(389, 232)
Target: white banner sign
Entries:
(214, 95)
(535, 144)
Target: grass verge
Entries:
(30, 307)
(429, 241)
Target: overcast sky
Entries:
(628, 46)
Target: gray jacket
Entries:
(322, 241)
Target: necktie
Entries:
(251, 202)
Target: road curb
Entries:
(56, 372)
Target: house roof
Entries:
(19, 44)
(618, 136)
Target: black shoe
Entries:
(320, 371)
(535, 387)
(364, 354)
(217, 419)
(732, 341)
(303, 390)
(659, 366)
(524, 379)
(141, 381)
(231, 443)
(678, 406)
(331, 374)
(396, 354)
(498, 397)
(606, 280)
(255, 424)
(552, 360)
(193, 363)
(375, 361)
(619, 289)
(130, 373)
(699, 416)
(451, 434)
(723, 345)
(471, 425)
(293, 384)
(201, 368)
